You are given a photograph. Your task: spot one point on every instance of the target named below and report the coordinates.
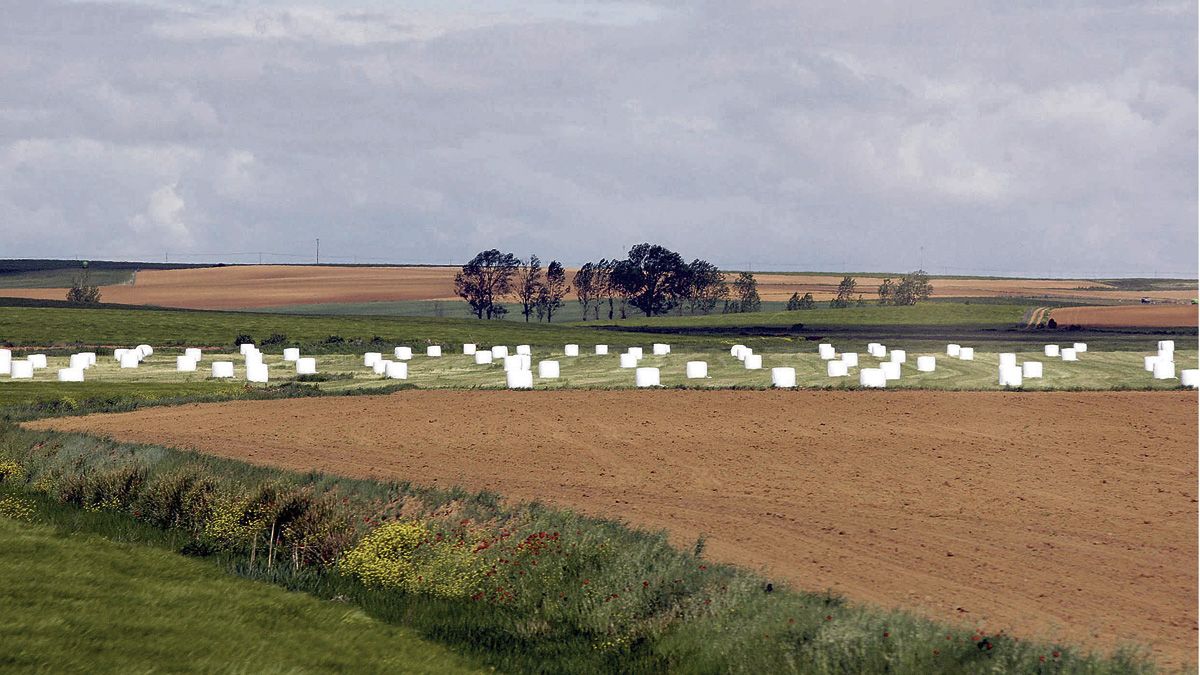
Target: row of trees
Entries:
(491, 277)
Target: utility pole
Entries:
(318, 250)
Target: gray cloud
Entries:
(1031, 138)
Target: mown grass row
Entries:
(523, 588)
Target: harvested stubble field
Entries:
(1147, 316)
(1070, 515)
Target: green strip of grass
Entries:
(924, 314)
(76, 602)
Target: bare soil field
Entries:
(250, 286)
(1147, 316)
(1063, 515)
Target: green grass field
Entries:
(62, 278)
(925, 314)
(77, 602)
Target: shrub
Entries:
(407, 556)
(275, 339)
(242, 338)
(10, 470)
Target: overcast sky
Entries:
(1015, 137)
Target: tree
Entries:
(605, 286)
(703, 286)
(745, 293)
(913, 288)
(528, 285)
(553, 289)
(845, 293)
(887, 292)
(650, 278)
(484, 280)
(807, 302)
(793, 302)
(586, 290)
(82, 290)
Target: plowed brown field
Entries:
(1069, 515)
(249, 286)
(1149, 316)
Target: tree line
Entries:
(652, 280)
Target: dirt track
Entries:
(1066, 514)
(248, 286)
(1147, 316)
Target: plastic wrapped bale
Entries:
(245, 347)
(1164, 370)
(118, 353)
(257, 373)
(899, 356)
(514, 362)
(926, 364)
(145, 350)
(1068, 354)
(185, 364)
(1008, 359)
(785, 378)
(878, 351)
(1190, 378)
(526, 361)
(850, 359)
(548, 369)
(371, 358)
(91, 358)
(1165, 355)
(5, 361)
(70, 374)
(743, 353)
(628, 360)
(130, 359)
(1031, 370)
(21, 369)
(696, 370)
(254, 359)
(194, 353)
(290, 354)
(79, 361)
(966, 354)
(1050, 350)
(952, 349)
(469, 349)
(826, 351)
(380, 366)
(1166, 347)
(660, 349)
(636, 351)
(836, 369)
(736, 351)
(1010, 376)
(38, 360)
(873, 378)
(891, 369)
(753, 362)
(1148, 363)
(601, 350)
(397, 370)
(402, 353)
(306, 365)
(646, 377)
(222, 369)
(872, 346)
(524, 349)
(1080, 347)
(433, 351)
(499, 352)
(519, 379)
(571, 350)
(483, 357)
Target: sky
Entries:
(1033, 138)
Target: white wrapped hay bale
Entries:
(628, 360)
(514, 362)
(696, 370)
(403, 353)
(836, 369)
(397, 370)
(926, 364)
(5, 361)
(38, 360)
(548, 369)
(826, 351)
(70, 374)
(1010, 376)
(850, 359)
(91, 358)
(21, 369)
(571, 350)
(118, 353)
(1031, 370)
(254, 359)
(524, 349)
(891, 369)
(1164, 370)
(469, 349)
(1190, 378)
(966, 354)
(1008, 359)
(433, 351)
(877, 350)
(257, 372)
(660, 349)
(636, 351)
(1166, 356)
(1080, 347)
(1050, 350)
(646, 377)
(305, 365)
(1068, 354)
(736, 351)
(380, 366)
(499, 352)
(246, 347)
(1166, 347)
(519, 379)
(371, 358)
(222, 369)
(952, 350)
(483, 357)
(290, 354)
(145, 350)
(130, 359)
(194, 354)
(1148, 363)
(743, 353)
(872, 347)
(753, 362)
(185, 364)
(601, 350)
(785, 378)
(873, 378)
(79, 361)
(899, 356)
